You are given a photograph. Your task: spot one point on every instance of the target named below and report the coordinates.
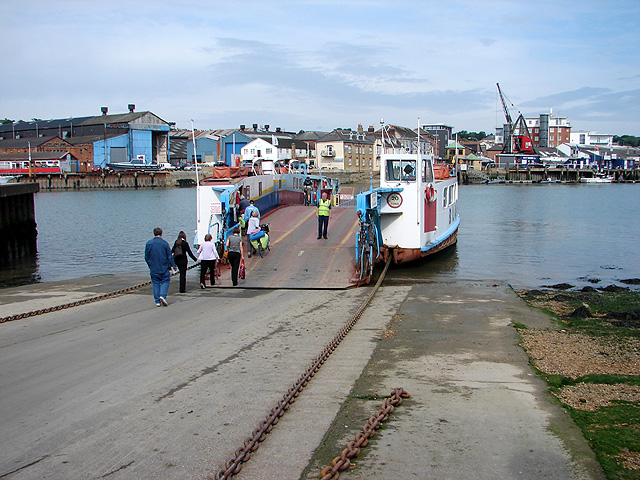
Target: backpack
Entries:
(177, 249)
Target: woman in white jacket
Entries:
(207, 255)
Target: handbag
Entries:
(242, 270)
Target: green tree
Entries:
(6, 120)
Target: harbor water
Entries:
(525, 235)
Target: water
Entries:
(526, 235)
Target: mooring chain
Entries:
(342, 461)
(55, 308)
(251, 444)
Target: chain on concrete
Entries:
(343, 461)
(234, 465)
(33, 313)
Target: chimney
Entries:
(370, 129)
(278, 130)
(360, 130)
(255, 127)
(242, 127)
(266, 127)
(104, 110)
(132, 108)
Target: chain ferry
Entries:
(411, 215)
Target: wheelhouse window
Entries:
(427, 171)
(401, 170)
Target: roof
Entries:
(53, 123)
(310, 136)
(91, 138)
(25, 141)
(350, 136)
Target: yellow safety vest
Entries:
(323, 207)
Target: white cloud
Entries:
(330, 63)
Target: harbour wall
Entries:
(539, 173)
(18, 233)
(162, 179)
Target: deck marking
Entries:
(344, 240)
(312, 212)
(301, 253)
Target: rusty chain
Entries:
(56, 308)
(234, 465)
(342, 461)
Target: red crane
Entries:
(517, 139)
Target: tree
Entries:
(629, 140)
(6, 120)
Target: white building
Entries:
(261, 149)
(591, 138)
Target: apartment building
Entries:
(549, 130)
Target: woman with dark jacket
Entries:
(180, 251)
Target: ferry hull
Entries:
(401, 255)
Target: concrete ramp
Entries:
(297, 259)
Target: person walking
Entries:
(157, 254)
(180, 251)
(207, 254)
(249, 211)
(236, 253)
(324, 214)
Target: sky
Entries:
(324, 64)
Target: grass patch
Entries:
(591, 364)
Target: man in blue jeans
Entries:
(157, 254)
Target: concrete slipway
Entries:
(121, 389)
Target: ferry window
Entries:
(401, 170)
(247, 192)
(427, 172)
(444, 197)
(450, 194)
(259, 188)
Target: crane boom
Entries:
(504, 106)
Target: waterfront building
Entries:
(114, 138)
(75, 157)
(442, 133)
(455, 150)
(582, 137)
(548, 130)
(308, 140)
(349, 150)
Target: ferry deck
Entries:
(297, 258)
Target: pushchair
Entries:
(259, 242)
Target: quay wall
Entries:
(18, 233)
(535, 174)
(93, 180)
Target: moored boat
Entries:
(411, 215)
(598, 178)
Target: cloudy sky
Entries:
(317, 65)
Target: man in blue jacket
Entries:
(157, 254)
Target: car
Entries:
(167, 166)
(220, 164)
(190, 167)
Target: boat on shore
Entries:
(413, 214)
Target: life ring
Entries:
(431, 193)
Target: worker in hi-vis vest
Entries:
(324, 214)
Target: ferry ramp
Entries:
(297, 258)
